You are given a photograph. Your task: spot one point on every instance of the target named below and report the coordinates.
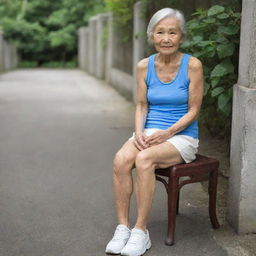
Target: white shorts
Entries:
(186, 145)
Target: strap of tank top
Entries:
(184, 67)
(150, 68)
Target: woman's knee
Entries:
(144, 162)
(123, 161)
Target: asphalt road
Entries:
(59, 132)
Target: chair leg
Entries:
(172, 208)
(212, 188)
(178, 203)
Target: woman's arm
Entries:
(196, 89)
(141, 104)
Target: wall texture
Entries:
(242, 189)
(8, 54)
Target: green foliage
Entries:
(213, 37)
(10, 8)
(57, 18)
(50, 64)
(64, 37)
(27, 64)
(97, 6)
(30, 37)
(46, 31)
(58, 64)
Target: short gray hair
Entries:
(164, 13)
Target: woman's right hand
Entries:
(140, 141)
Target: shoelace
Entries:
(119, 234)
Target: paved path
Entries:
(59, 132)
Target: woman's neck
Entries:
(166, 59)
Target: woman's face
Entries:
(167, 36)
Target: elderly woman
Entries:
(169, 96)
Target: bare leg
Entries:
(122, 180)
(159, 156)
(145, 188)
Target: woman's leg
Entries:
(122, 180)
(158, 156)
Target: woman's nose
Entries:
(166, 38)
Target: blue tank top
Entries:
(168, 102)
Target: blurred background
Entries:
(45, 34)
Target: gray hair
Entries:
(164, 13)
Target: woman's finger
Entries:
(144, 139)
(154, 137)
(156, 141)
(137, 145)
(149, 139)
(141, 142)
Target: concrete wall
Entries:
(123, 53)
(101, 27)
(101, 50)
(109, 48)
(1, 52)
(123, 82)
(92, 44)
(83, 52)
(242, 181)
(104, 55)
(8, 55)
(139, 41)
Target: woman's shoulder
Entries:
(194, 63)
(143, 64)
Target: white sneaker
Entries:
(137, 244)
(119, 240)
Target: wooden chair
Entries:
(201, 169)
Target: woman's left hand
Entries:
(158, 137)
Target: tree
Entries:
(46, 30)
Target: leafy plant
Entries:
(30, 37)
(46, 31)
(213, 37)
(27, 64)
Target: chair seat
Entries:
(202, 164)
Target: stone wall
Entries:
(8, 55)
